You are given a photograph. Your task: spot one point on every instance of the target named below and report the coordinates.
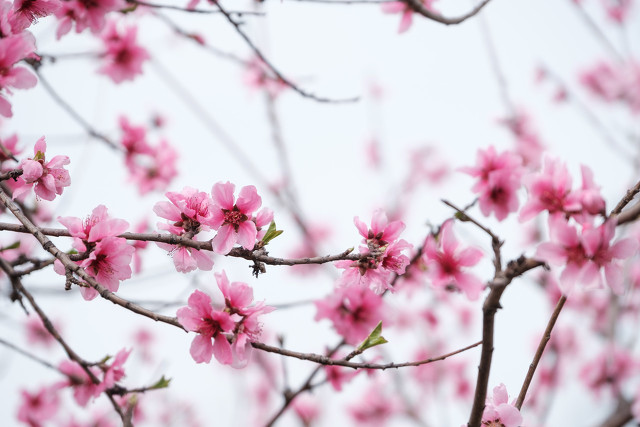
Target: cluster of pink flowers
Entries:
(499, 178)
(225, 331)
(385, 255)
(47, 178)
(614, 82)
(108, 257)
(610, 369)
(584, 255)
(85, 14)
(407, 12)
(445, 261)
(152, 168)
(123, 56)
(192, 211)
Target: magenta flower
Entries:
(499, 412)
(585, 255)
(26, 12)
(94, 228)
(46, 178)
(353, 310)
(498, 181)
(233, 217)
(612, 367)
(114, 372)
(210, 324)
(445, 261)
(123, 56)
(37, 334)
(407, 12)
(550, 190)
(37, 409)
(14, 48)
(382, 232)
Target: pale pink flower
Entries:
(11, 144)
(14, 48)
(499, 412)
(375, 407)
(94, 228)
(614, 82)
(209, 324)
(37, 334)
(550, 190)
(85, 14)
(339, 375)
(134, 139)
(83, 387)
(612, 367)
(37, 409)
(617, 10)
(527, 139)
(354, 311)
(445, 261)
(233, 218)
(407, 12)
(589, 194)
(46, 178)
(258, 76)
(123, 56)
(187, 259)
(498, 181)
(143, 340)
(382, 232)
(155, 171)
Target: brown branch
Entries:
(28, 355)
(631, 193)
(620, 416)
(12, 174)
(538, 355)
(172, 239)
(184, 9)
(419, 7)
(328, 361)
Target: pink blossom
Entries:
(233, 218)
(612, 367)
(238, 297)
(375, 407)
(209, 324)
(37, 409)
(614, 82)
(27, 12)
(37, 334)
(499, 412)
(445, 261)
(143, 340)
(586, 254)
(407, 12)
(307, 409)
(114, 372)
(353, 310)
(11, 144)
(124, 57)
(339, 375)
(46, 178)
(189, 212)
(589, 194)
(498, 181)
(155, 171)
(14, 48)
(617, 10)
(382, 232)
(85, 14)
(550, 190)
(94, 228)
(258, 76)
(83, 387)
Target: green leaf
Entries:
(373, 339)
(161, 383)
(16, 245)
(271, 233)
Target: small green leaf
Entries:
(461, 216)
(271, 233)
(16, 245)
(373, 339)
(161, 383)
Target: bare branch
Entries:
(419, 7)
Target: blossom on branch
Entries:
(15, 48)
(499, 412)
(85, 14)
(46, 178)
(407, 12)
(445, 261)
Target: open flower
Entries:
(46, 178)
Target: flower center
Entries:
(234, 217)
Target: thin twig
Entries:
(194, 10)
(628, 197)
(538, 355)
(28, 355)
(420, 8)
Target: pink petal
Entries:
(201, 349)
(363, 229)
(248, 200)
(447, 239)
(615, 277)
(222, 350)
(224, 240)
(183, 261)
(247, 235)
(469, 257)
(405, 21)
(222, 195)
(393, 7)
(167, 210)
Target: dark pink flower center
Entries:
(234, 217)
(209, 327)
